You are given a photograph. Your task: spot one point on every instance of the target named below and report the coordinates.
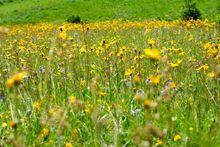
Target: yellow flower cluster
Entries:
(15, 79)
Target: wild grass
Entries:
(151, 83)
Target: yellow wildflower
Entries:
(4, 125)
(52, 111)
(148, 103)
(190, 37)
(136, 79)
(15, 79)
(88, 110)
(138, 97)
(128, 72)
(62, 35)
(172, 85)
(204, 67)
(12, 124)
(19, 76)
(159, 142)
(175, 64)
(151, 42)
(101, 93)
(207, 45)
(152, 54)
(44, 132)
(68, 145)
(148, 30)
(212, 52)
(155, 79)
(36, 105)
(72, 99)
(9, 83)
(182, 53)
(176, 137)
(191, 129)
(211, 75)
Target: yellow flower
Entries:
(182, 53)
(128, 72)
(19, 76)
(176, 137)
(68, 145)
(138, 97)
(191, 129)
(36, 105)
(207, 45)
(212, 52)
(159, 142)
(190, 37)
(72, 99)
(88, 110)
(9, 83)
(211, 75)
(155, 79)
(12, 124)
(15, 79)
(4, 125)
(44, 133)
(149, 104)
(148, 30)
(204, 67)
(151, 42)
(52, 111)
(175, 64)
(62, 35)
(152, 54)
(172, 85)
(136, 79)
(101, 93)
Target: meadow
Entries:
(32, 11)
(111, 83)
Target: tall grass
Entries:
(110, 83)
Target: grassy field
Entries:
(133, 75)
(150, 83)
(27, 11)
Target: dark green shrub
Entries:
(74, 19)
(191, 11)
(6, 1)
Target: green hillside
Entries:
(24, 11)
